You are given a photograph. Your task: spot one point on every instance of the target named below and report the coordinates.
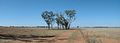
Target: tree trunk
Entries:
(51, 26)
(58, 26)
(62, 26)
(68, 26)
(48, 26)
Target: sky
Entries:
(89, 12)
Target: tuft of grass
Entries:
(93, 40)
(90, 39)
(74, 35)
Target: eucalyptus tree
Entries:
(61, 21)
(52, 18)
(48, 17)
(58, 20)
(70, 16)
(64, 22)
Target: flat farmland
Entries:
(82, 35)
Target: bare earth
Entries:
(102, 35)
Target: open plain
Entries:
(82, 35)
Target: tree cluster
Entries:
(63, 21)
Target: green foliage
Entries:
(70, 13)
(48, 17)
(61, 19)
(71, 16)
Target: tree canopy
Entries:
(62, 20)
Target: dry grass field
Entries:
(83, 35)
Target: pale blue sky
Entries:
(89, 12)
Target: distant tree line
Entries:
(63, 20)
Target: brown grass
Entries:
(60, 36)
